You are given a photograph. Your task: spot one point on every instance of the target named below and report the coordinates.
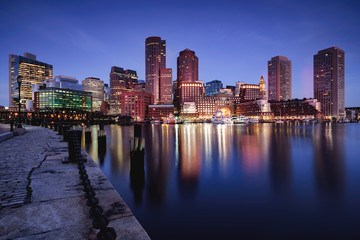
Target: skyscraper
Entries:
(262, 85)
(279, 78)
(329, 81)
(96, 87)
(155, 59)
(212, 88)
(165, 86)
(32, 72)
(120, 80)
(187, 66)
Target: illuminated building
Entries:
(232, 88)
(213, 87)
(96, 87)
(32, 72)
(135, 104)
(255, 109)
(329, 81)
(226, 91)
(65, 82)
(165, 86)
(47, 99)
(120, 81)
(155, 59)
(106, 92)
(208, 105)
(296, 109)
(237, 88)
(279, 78)
(250, 92)
(140, 87)
(188, 91)
(187, 66)
(262, 85)
(160, 111)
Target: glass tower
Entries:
(279, 78)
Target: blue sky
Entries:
(233, 40)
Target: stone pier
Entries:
(42, 198)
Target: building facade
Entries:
(259, 109)
(160, 111)
(249, 92)
(296, 109)
(213, 87)
(120, 81)
(32, 72)
(155, 59)
(165, 86)
(62, 81)
(135, 104)
(329, 81)
(279, 78)
(96, 87)
(262, 85)
(187, 66)
(48, 99)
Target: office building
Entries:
(296, 109)
(48, 99)
(187, 66)
(165, 96)
(96, 87)
(237, 88)
(329, 81)
(32, 72)
(135, 104)
(155, 59)
(213, 87)
(249, 92)
(66, 82)
(279, 78)
(160, 111)
(120, 81)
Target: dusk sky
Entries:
(232, 39)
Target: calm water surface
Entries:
(262, 181)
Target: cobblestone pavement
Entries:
(4, 128)
(42, 198)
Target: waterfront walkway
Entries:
(42, 198)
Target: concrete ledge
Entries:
(5, 136)
(19, 131)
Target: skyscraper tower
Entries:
(279, 78)
(32, 72)
(262, 88)
(155, 59)
(329, 81)
(187, 66)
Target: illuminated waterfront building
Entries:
(188, 91)
(262, 85)
(296, 109)
(329, 81)
(250, 92)
(120, 81)
(135, 104)
(255, 109)
(32, 72)
(208, 105)
(213, 87)
(160, 111)
(155, 59)
(96, 87)
(237, 88)
(165, 96)
(48, 99)
(279, 78)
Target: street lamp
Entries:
(18, 79)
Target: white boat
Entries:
(253, 120)
(155, 121)
(241, 120)
(279, 121)
(170, 119)
(221, 117)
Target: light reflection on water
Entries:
(255, 181)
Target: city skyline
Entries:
(228, 49)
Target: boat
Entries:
(221, 117)
(241, 120)
(279, 121)
(170, 119)
(345, 120)
(253, 120)
(155, 121)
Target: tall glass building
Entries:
(329, 81)
(279, 78)
(155, 59)
(213, 87)
(47, 99)
(32, 72)
(96, 87)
